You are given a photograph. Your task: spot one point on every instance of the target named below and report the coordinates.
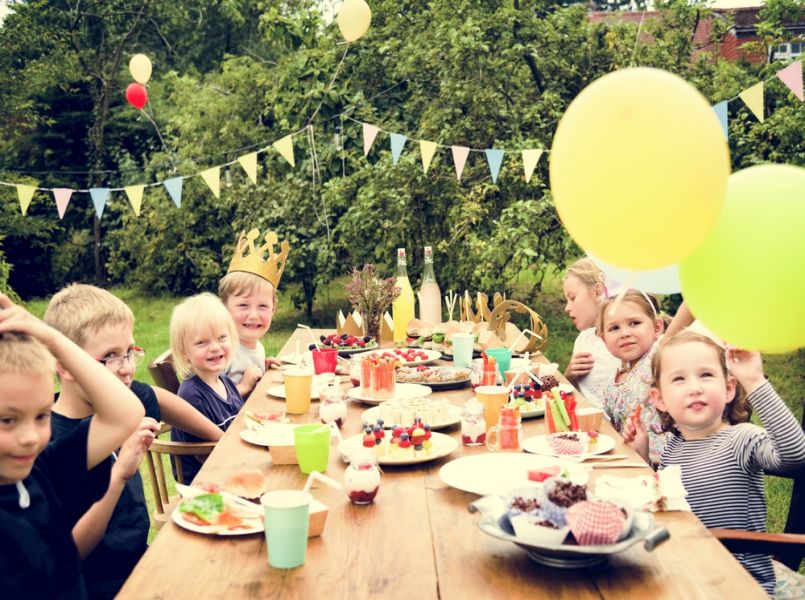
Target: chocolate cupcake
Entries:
(560, 495)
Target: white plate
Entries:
(433, 356)
(402, 391)
(277, 435)
(255, 525)
(539, 445)
(442, 446)
(495, 473)
(532, 413)
(371, 415)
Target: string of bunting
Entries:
(753, 97)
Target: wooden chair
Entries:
(163, 372)
(164, 503)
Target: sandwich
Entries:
(249, 484)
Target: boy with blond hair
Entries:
(113, 534)
(44, 489)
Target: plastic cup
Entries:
(324, 360)
(503, 357)
(492, 397)
(298, 387)
(312, 443)
(286, 522)
(462, 349)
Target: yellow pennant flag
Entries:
(753, 97)
(25, 193)
(285, 147)
(249, 164)
(530, 160)
(427, 149)
(135, 194)
(213, 179)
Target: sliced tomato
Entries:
(194, 519)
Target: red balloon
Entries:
(137, 95)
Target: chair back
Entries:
(163, 372)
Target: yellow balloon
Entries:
(140, 68)
(639, 168)
(354, 19)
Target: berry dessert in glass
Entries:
(362, 478)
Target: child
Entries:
(113, 535)
(44, 489)
(202, 334)
(697, 388)
(630, 331)
(592, 367)
(249, 292)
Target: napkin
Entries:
(662, 491)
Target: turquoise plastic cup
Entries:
(503, 356)
(286, 520)
(462, 349)
(312, 444)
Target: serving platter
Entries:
(442, 445)
(539, 444)
(431, 356)
(371, 415)
(402, 391)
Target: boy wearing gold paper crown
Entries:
(249, 292)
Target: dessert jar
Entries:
(332, 405)
(362, 478)
(508, 433)
(473, 424)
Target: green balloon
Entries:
(746, 281)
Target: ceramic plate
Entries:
(497, 472)
(442, 446)
(402, 391)
(253, 525)
(451, 384)
(432, 356)
(530, 413)
(371, 415)
(279, 435)
(539, 445)
(350, 352)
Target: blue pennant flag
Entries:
(174, 187)
(397, 142)
(721, 113)
(100, 196)
(495, 158)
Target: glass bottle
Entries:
(362, 477)
(473, 423)
(430, 296)
(403, 306)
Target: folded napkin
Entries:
(662, 491)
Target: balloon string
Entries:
(159, 134)
(627, 285)
(329, 86)
(637, 38)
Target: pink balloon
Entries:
(137, 95)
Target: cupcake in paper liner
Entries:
(597, 522)
(525, 501)
(538, 530)
(560, 495)
(567, 443)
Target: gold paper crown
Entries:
(249, 259)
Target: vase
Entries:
(371, 324)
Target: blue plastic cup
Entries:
(286, 520)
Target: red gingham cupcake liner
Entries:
(565, 446)
(594, 522)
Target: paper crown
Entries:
(248, 259)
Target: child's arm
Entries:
(634, 434)
(580, 365)
(91, 528)
(251, 375)
(117, 409)
(179, 413)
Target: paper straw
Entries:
(522, 333)
(310, 333)
(334, 430)
(323, 479)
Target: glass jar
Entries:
(332, 404)
(362, 478)
(473, 423)
(355, 366)
(508, 433)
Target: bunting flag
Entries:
(135, 195)
(369, 135)
(495, 158)
(213, 179)
(721, 113)
(174, 187)
(25, 193)
(285, 147)
(530, 160)
(427, 150)
(100, 196)
(791, 76)
(460, 154)
(62, 196)
(753, 98)
(397, 142)
(249, 164)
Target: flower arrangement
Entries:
(371, 296)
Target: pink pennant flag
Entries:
(791, 76)
(460, 154)
(369, 135)
(62, 196)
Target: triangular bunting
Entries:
(213, 179)
(285, 147)
(100, 196)
(495, 158)
(427, 149)
(530, 160)
(135, 194)
(721, 112)
(397, 142)
(62, 196)
(369, 135)
(174, 187)
(460, 154)
(753, 97)
(25, 193)
(791, 76)
(249, 164)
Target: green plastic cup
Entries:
(286, 520)
(312, 444)
(462, 349)
(503, 356)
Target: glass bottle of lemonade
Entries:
(430, 297)
(403, 307)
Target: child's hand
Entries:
(634, 434)
(747, 367)
(16, 319)
(272, 362)
(134, 448)
(580, 365)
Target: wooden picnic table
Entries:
(417, 540)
